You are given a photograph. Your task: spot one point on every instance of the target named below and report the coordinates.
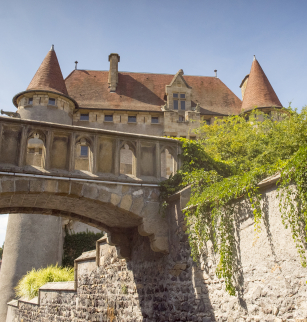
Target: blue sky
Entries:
(157, 36)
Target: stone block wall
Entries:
(149, 287)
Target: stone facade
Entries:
(271, 282)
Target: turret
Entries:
(257, 91)
(46, 98)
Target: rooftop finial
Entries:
(76, 63)
(52, 48)
(215, 73)
(254, 57)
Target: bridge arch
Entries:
(114, 207)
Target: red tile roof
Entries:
(49, 75)
(146, 92)
(259, 92)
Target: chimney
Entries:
(113, 72)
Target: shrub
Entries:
(29, 285)
(77, 243)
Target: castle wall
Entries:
(156, 287)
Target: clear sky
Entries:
(197, 36)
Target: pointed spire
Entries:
(259, 92)
(49, 75)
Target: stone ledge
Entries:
(13, 303)
(34, 301)
(87, 256)
(58, 286)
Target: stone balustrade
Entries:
(73, 151)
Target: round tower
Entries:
(35, 241)
(257, 92)
(46, 98)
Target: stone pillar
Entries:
(32, 241)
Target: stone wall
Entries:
(271, 282)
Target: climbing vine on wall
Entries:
(226, 163)
(77, 243)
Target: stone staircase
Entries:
(51, 292)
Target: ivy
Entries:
(77, 243)
(226, 163)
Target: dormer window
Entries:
(179, 100)
(30, 101)
(51, 101)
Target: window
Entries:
(108, 118)
(182, 105)
(51, 101)
(181, 118)
(192, 137)
(131, 119)
(32, 150)
(175, 104)
(179, 99)
(155, 119)
(84, 151)
(40, 151)
(30, 102)
(84, 117)
(208, 121)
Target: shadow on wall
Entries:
(151, 286)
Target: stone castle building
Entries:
(139, 103)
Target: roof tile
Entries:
(49, 75)
(259, 92)
(146, 92)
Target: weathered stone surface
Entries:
(126, 202)
(115, 199)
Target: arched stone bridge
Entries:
(56, 179)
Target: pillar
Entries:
(32, 241)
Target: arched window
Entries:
(36, 152)
(168, 163)
(83, 155)
(127, 160)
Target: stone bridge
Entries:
(81, 173)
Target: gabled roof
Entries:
(146, 92)
(49, 75)
(259, 92)
(179, 75)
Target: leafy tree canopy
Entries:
(227, 162)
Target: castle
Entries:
(145, 105)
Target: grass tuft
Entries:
(29, 285)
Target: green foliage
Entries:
(1, 251)
(76, 244)
(124, 289)
(228, 161)
(29, 285)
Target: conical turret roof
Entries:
(49, 75)
(259, 92)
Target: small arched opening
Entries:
(168, 163)
(83, 155)
(36, 152)
(127, 159)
